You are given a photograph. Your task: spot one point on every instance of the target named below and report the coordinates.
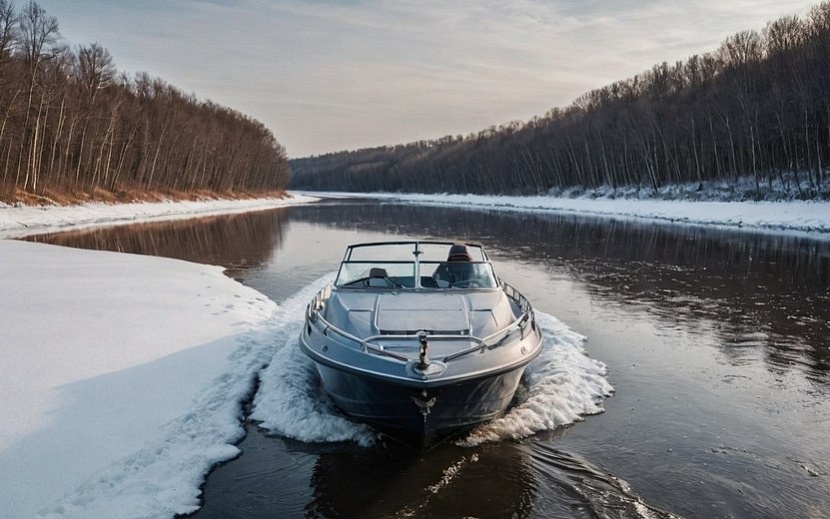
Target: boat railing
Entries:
(517, 297)
(369, 344)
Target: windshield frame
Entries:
(411, 252)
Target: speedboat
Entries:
(420, 339)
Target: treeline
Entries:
(759, 106)
(70, 123)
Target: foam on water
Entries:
(290, 400)
(559, 387)
(452, 472)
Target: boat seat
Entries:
(378, 277)
(460, 256)
(377, 272)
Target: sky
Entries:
(327, 75)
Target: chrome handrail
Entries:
(318, 303)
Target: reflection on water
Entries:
(514, 480)
(236, 242)
(761, 292)
(404, 484)
(585, 490)
(507, 480)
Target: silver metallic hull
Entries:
(420, 418)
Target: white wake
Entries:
(290, 401)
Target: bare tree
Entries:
(8, 28)
(96, 69)
(38, 30)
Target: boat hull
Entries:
(420, 417)
(419, 347)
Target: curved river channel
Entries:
(717, 344)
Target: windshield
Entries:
(377, 274)
(400, 265)
(454, 274)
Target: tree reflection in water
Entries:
(237, 242)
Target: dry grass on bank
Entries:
(124, 196)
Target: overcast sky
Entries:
(327, 75)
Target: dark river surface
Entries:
(717, 344)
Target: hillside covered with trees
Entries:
(72, 127)
(758, 107)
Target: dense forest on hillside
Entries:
(70, 124)
(757, 107)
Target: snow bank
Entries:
(787, 186)
(20, 221)
(121, 380)
(811, 219)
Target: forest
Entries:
(756, 108)
(73, 128)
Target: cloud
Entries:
(326, 75)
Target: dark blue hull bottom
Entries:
(420, 417)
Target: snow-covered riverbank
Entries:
(121, 379)
(811, 219)
(26, 220)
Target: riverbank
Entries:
(125, 196)
(808, 219)
(17, 221)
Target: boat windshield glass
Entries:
(457, 274)
(392, 265)
(377, 274)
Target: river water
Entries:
(717, 345)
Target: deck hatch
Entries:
(408, 313)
